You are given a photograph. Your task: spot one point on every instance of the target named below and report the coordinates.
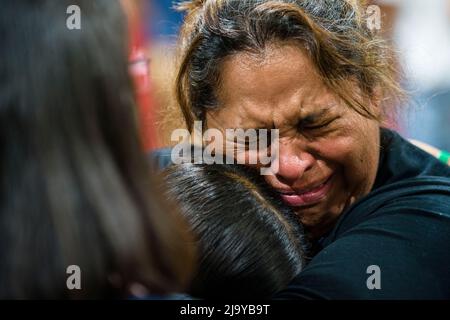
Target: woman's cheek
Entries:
(336, 149)
(347, 157)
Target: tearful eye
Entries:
(312, 124)
(315, 126)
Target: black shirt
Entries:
(401, 227)
(399, 233)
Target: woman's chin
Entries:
(320, 218)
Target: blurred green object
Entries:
(444, 156)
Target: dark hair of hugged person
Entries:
(250, 244)
(75, 188)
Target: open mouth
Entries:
(308, 197)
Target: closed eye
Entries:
(311, 124)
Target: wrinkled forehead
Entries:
(273, 87)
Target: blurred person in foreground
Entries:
(75, 188)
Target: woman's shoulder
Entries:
(398, 237)
(422, 198)
(409, 181)
(403, 253)
(401, 160)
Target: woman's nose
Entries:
(293, 164)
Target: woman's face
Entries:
(328, 153)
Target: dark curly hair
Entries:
(333, 32)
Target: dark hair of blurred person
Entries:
(251, 245)
(75, 188)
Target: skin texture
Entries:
(320, 137)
